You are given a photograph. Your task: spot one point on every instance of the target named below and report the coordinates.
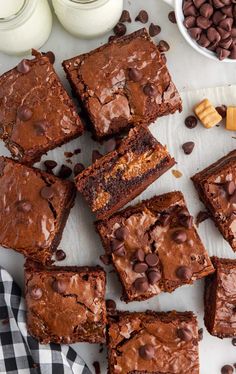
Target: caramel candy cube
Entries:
(231, 118)
(207, 114)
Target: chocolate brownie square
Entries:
(36, 113)
(153, 343)
(120, 175)
(216, 186)
(34, 207)
(220, 299)
(154, 247)
(123, 84)
(65, 304)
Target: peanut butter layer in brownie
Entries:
(36, 113)
(34, 207)
(220, 299)
(123, 84)
(216, 186)
(154, 247)
(122, 174)
(153, 343)
(65, 304)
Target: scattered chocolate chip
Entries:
(146, 351)
(119, 29)
(41, 127)
(190, 122)
(149, 90)
(105, 259)
(202, 216)
(190, 22)
(50, 55)
(227, 369)
(184, 334)
(163, 46)
(151, 259)
(154, 30)
(118, 247)
(141, 284)
(96, 155)
(24, 113)
(110, 305)
(179, 236)
(135, 74)
(139, 255)
(50, 164)
(47, 192)
(121, 233)
(59, 286)
(96, 366)
(142, 16)
(234, 342)
(78, 168)
(24, 206)
(77, 151)
(153, 276)
(200, 335)
(188, 147)
(172, 17)
(110, 145)
(230, 187)
(36, 293)
(60, 255)
(140, 267)
(64, 172)
(184, 273)
(23, 67)
(222, 110)
(125, 16)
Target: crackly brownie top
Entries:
(154, 246)
(59, 300)
(153, 343)
(35, 110)
(123, 82)
(31, 205)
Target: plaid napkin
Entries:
(19, 352)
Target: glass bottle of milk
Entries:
(24, 24)
(88, 18)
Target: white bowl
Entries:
(177, 5)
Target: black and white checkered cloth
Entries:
(19, 352)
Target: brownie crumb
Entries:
(142, 16)
(202, 216)
(176, 173)
(97, 367)
(64, 172)
(125, 16)
(77, 151)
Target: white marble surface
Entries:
(190, 72)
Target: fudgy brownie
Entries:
(36, 113)
(216, 186)
(220, 299)
(122, 174)
(123, 84)
(153, 343)
(65, 304)
(34, 207)
(154, 246)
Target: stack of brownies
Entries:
(153, 246)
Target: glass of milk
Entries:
(88, 18)
(24, 24)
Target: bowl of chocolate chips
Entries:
(209, 26)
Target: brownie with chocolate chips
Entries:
(153, 343)
(220, 299)
(36, 113)
(154, 247)
(34, 207)
(123, 84)
(119, 176)
(216, 186)
(65, 304)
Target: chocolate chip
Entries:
(222, 110)
(188, 147)
(141, 284)
(24, 206)
(195, 33)
(190, 122)
(226, 24)
(110, 145)
(222, 53)
(23, 67)
(50, 164)
(234, 342)
(163, 46)
(203, 22)
(119, 29)
(189, 9)
(206, 10)
(153, 276)
(200, 335)
(112, 38)
(233, 53)
(125, 16)
(230, 187)
(50, 55)
(96, 155)
(184, 273)
(203, 41)
(110, 305)
(172, 17)
(135, 74)
(59, 286)
(41, 127)
(151, 259)
(164, 219)
(142, 16)
(121, 233)
(140, 267)
(201, 216)
(36, 293)
(185, 334)
(118, 247)
(190, 22)
(139, 255)
(24, 113)
(47, 192)
(60, 255)
(186, 221)
(64, 172)
(146, 351)
(97, 368)
(105, 259)
(154, 30)
(227, 369)
(149, 90)
(228, 10)
(179, 236)
(78, 168)
(198, 3)
(223, 33)
(218, 17)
